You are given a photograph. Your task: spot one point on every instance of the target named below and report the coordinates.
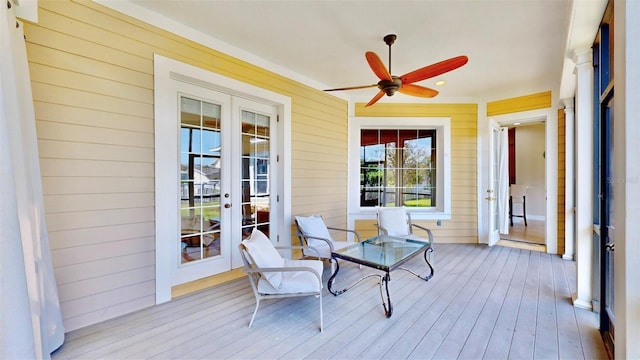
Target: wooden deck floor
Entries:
(493, 303)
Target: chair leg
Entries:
(255, 312)
(321, 321)
(510, 211)
(524, 209)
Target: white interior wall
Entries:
(530, 167)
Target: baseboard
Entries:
(522, 245)
(197, 285)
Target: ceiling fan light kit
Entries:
(389, 84)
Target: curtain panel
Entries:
(30, 317)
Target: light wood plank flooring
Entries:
(532, 233)
(483, 302)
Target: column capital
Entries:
(581, 56)
(568, 103)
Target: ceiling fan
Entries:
(389, 84)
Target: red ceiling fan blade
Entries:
(353, 87)
(376, 98)
(417, 90)
(377, 66)
(434, 70)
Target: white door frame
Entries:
(168, 70)
(550, 116)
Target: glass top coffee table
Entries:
(385, 253)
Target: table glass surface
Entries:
(382, 250)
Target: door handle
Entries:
(227, 205)
(490, 198)
(610, 247)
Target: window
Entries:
(398, 167)
(400, 162)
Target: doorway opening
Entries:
(526, 214)
(527, 183)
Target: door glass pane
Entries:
(200, 156)
(256, 168)
(609, 219)
(495, 179)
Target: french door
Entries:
(498, 181)
(607, 224)
(225, 185)
(221, 160)
(606, 179)
(203, 245)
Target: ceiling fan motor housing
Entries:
(390, 86)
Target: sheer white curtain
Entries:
(503, 182)
(30, 318)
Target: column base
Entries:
(567, 257)
(582, 304)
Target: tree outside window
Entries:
(398, 167)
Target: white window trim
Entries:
(442, 125)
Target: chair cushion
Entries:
(265, 255)
(315, 226)
(295, 281)
(394, 220)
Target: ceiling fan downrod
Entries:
(389, 40)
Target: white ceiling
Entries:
(515, 47)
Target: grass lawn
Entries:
(418, 203)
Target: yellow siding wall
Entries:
(92, 79)
(463, 226)
(561, 179)
(521, 103)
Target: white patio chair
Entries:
(273, 277)
(313, 232)
(396, 221)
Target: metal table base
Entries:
(382, 280)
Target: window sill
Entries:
(370, 214)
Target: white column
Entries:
(584, 177)
(569, 182)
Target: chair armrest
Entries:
(346, 230)
(313, 249)
(329, 242)
(426, 230)
(381, 230)
(284, 269)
